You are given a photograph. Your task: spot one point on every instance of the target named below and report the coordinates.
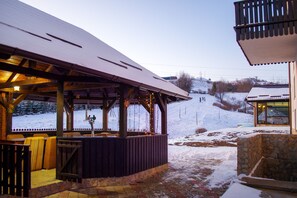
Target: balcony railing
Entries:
(265, 18)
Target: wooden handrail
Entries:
(265, 18)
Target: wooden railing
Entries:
(15, 169)
(265, 18)
(115, 157)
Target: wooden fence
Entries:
(265, 18)
(116, 157)
(15, 169)
(69, 160)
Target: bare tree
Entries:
(221, 88)
(184, 81)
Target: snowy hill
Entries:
(201, 85)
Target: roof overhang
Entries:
(270, 50)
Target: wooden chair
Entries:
(36, 148)
(14, 136)
(49, 158)
(40, 135)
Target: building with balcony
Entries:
(266, 31)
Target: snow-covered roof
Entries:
(268, 93)
(27, 30)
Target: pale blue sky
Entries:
(167, 36)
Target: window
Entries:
(273, 113)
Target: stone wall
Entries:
(279, 153)
(249, 152)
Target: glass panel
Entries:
(277, 113)
(261, 113)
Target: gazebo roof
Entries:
(60, 47)
(268, 93)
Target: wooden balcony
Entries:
(266, 30)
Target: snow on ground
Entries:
(228, 134)
(221, 161)
(185, 117)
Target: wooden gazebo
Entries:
(47, 59)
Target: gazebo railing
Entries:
(265, 18)
(112, 156)
(15, 169)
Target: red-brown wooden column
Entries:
(105, 115)
(152, 113)
(105, 110)
(162, 103)
(2, 123)
(60, 106)
(123, 112)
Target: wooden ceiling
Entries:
(38, 81)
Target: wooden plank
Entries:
(237, 20)
(92, 156)
(111, 156)
(19, 153)
(265, 8)
(242, 30)
(270, 17)
(281, 17)
(1, 167)
(261, 18)
(291, 16)
(86, 158)
(27, 171)
(274, 5)
(5, 170)
(256, 20)
(12, 158)
(251, 18)
(286, 17)
(295, 15)
(99, 157)
(105, 162)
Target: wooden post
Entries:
(3, 125)
(152, 113)
(105, 115)
(60, 105)
(123, 112)
(162, 103)
(70, 117)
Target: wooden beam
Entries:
(36, 81)
(111, 104)
(105, 110)
(48, 75)
(19, 99)
(60, 105)
(161, 103)
(21, 64)
(145, 105)
(78, 87)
